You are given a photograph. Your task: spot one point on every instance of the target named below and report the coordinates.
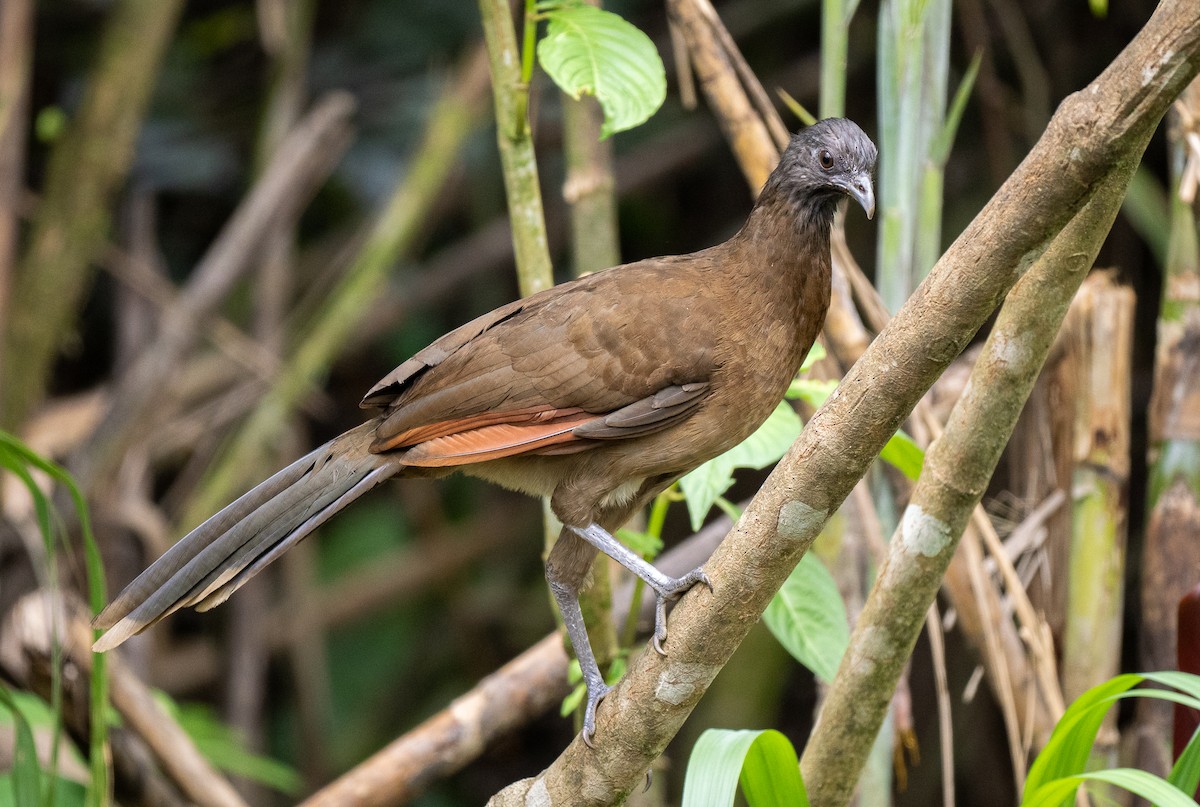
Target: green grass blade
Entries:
(1066, 752)
(16, 457)
(763, 761)
(26, 775)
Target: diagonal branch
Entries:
(956, 473)
(1104, 124)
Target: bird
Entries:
(598, 393)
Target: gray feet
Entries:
(566, 595)
(595, 694)
(675, 589)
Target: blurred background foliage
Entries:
(335, 685)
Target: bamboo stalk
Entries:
(510, 92)
(1099, 331)
(70, 227)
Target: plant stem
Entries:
(511, 93)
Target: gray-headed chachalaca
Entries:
(598, 393)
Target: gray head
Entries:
(828, 160)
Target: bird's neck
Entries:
(784, 263)
(785, 242)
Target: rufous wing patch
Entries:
(494, 442)
(442, 428)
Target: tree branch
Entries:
(957, 469)
(1104, 124)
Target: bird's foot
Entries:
(595, 694)
(673, 590)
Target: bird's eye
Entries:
(826, 159)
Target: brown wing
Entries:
(586, 361)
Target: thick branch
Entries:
(957, 469)
(1104, 124)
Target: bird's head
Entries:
(828, 160)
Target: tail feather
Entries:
(220, 555)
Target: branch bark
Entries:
(957, 469)
(1104, 124)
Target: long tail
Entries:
(218, 557)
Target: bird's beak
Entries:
(863, 191)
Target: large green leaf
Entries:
(589, 51)
(808, 618)
(763, 761)
(772, 439)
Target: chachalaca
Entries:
(598, 393)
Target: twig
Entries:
(1107, 123)
(85, 169)
(937, 652)
(300, 166)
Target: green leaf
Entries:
(902, 452)
(590, 51)
(1185, 773)
(1153, 788)
(26, 775)
(763, 761)
(808, 618)
(815, 353)
(643, 543)
(812, 391)
(703, 485)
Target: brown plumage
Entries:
(598, 393)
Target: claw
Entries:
(676, 589)
(589, 714)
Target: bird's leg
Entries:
(567, 598)
(666, 588)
